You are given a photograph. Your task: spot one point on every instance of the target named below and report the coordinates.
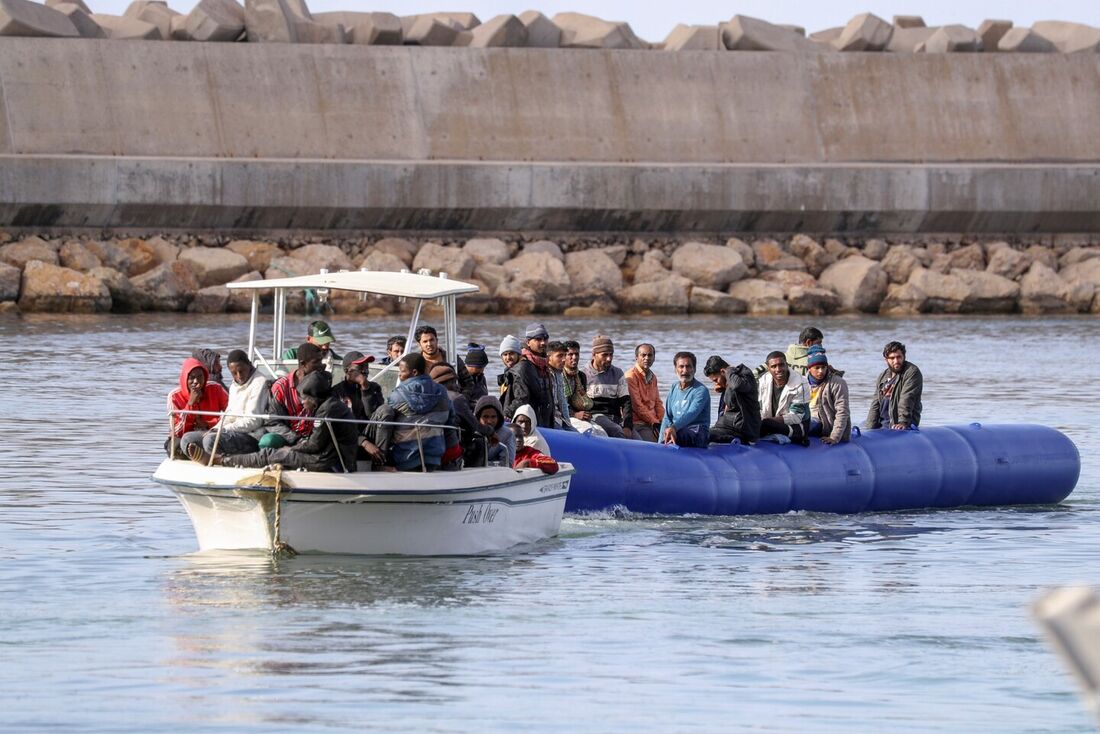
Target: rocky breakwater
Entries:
(291, 21)
(577, 276)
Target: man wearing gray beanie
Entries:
(531, 381)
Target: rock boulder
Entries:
(1069, 37)
(488, 250)
(904, 299)
(858, 281)
(501, 31)
(76, 256)
(670, 295)
(402, 248)
(743, 249)
(593, 272)
(770, 255)
(811, 300)
(318, 256)
(693, 38)
(550, 248)
(258, 254)
(988, 293)
(215, 265)
(706, 300)
(215, 20)
(541, 31)
(383, 261)
(287, 267)
(899, 263)
(168, 287)
(865, 32)
(124, 297)
(372, 29)
(1042, 291)
(81, 20)
(952, 39)
(762, 298)
(54, 289)
(587, 31)
(992, 31)
(710, 266)
(1008, 263)
(455, 262)
(429, 31)
(119, 28)
(26, 18)
(18, 254)
(268, 21)
(1024, 40)
(743, 33)
(946, 293)
(815, 257)
(540, 274)
(10, 279)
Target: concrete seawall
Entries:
(262, 136)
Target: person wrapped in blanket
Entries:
(531, 448)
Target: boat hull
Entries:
(950, 466)
(472, 512)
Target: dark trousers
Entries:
(287, 456)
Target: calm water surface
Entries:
(912, 621)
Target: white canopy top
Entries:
(409, 285)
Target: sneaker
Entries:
(197, 455)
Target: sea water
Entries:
(913, 621)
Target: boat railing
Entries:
(272, 417)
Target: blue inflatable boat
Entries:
(949, 466)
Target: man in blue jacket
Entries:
(687, 408)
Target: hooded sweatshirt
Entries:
(419, 400)
(251, 397)
(533, 439)
(214, 399)
(329, 455)
(503, 432)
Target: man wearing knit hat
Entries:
(510, 348)
(476, 362)
(830, 416)
(531, 383)
(611, 407)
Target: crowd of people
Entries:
(442, 414)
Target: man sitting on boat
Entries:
(363, 397)
(501, 448)
(472, 434)
(476, 362)
(780, 388)
(248, 394)
(286, 401)
(611, 407)
(195, 392)
(527, 454)
(645, 395)
(331, 447)
(418, 400)
(897, 392)
(395, 348)
(686, 416)
(739, 406)
(830, 416)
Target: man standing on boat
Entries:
(830, 416)
(897, 401)
(611, 408)
(686, 415)
(797, 354)
(286, 401)
(428, 341)
(645, 396)
(320, 336)
(530, 377)
(395, 347)
(739, 406)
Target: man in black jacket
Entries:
(330, 447)
(531, 381)
(897, 401)
(363, 397)
(739, 406)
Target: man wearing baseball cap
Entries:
(319, 335)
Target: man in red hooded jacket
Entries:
(194, 393)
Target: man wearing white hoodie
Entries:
(248, 394)
(781, 387)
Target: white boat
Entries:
(467, 512)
